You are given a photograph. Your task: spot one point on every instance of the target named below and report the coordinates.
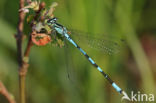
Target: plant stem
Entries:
(22, 89)
(19, 51)
(23, 60)
(23, 71)
(5, 93)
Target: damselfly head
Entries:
(52, 21)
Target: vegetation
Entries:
(32, 73)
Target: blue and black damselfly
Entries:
(60, 29)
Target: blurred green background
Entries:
(133, 68)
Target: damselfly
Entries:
(61, 30)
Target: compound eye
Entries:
(54, 18)
(50, 21)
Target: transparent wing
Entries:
(71, 72)
(104, 43)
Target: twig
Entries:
(19, 51)
(20, 33)
(23, 61)
(29, 45)
(5, 93)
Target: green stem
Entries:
(22, 88)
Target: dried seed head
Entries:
(40, 39)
